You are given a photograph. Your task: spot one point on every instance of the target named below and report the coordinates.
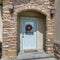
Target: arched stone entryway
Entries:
(49, 33)
(10, 29)
(40, 31)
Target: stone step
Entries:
(34, 55)
(45, 59)
(29, 59)
(52, 58)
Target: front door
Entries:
(29, 33)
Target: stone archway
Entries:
(41, 29)
(11, 35)
(49, 34)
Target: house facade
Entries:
(28, 26)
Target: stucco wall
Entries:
(57, 20)
(41, 34)
(57, 30)
(0, 1)
(0, 25)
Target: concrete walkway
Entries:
(28, 59)
(33, 56)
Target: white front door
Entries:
(29, 33)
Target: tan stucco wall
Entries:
(57, 20)
(0, 25)
(0, 1)
(57, 29)
(41, 33)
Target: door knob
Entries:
(22, 36)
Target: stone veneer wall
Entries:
(57, 49)
(9, 45)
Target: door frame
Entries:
(21, 45)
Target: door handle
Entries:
(22, 36)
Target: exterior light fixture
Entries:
(11, 7)
(52, 12)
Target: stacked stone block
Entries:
(57, 50)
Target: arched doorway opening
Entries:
(31, 31)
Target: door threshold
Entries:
(30, 51)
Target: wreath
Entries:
(28, 27)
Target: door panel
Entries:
(29, 33)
